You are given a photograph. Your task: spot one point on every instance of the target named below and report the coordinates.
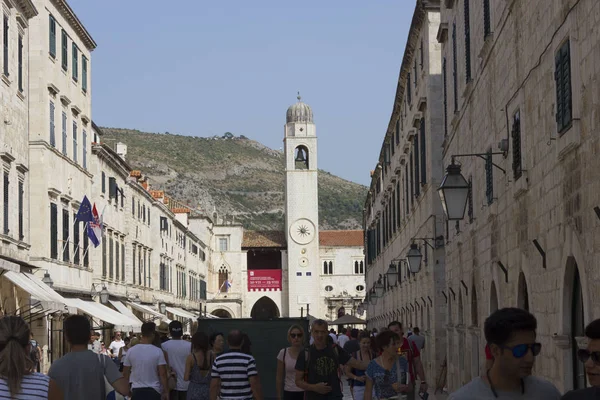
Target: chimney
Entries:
(121, 150)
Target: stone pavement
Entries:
(439, 396)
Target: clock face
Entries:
(303, 262)
(302, 231)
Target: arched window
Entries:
(301, 157)
(356, 268)
(362, 267)
(223, 277)
(327, 267)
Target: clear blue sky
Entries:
(202, 68)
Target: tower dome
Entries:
(299, 112)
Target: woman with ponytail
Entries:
(17, 377)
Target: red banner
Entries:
(264, 279)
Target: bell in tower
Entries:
(301, 158)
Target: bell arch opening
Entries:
(301, 157)
(264, 308)
(221, 313)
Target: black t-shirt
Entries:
(352, 346)
(592, 393)
(323, 367)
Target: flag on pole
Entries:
(84, 214)
(227, 285)
(94, 229)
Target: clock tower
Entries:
(302, 210)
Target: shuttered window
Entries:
(123, 262)
(487, 23)
(133, 263)
(417, 176)
(489, 178)
(117, 259)
(445, 82)
(53, 231)
(52, 44)
(516, 146)
(104, 245)
(408, 90)
(5, 37)
(75, 62)
(84, 133)
(454, 68)
(6, 202)
(76, 254)
(20, 63)
(467, 41)
(423, 153)
(52, 132)
(21, 207)
(84, 74)
(111, 256)
(74, 141)
(64, 133)
(411, 177)
(398, 131)
(86, 243)
(65, 50)
(65, 243)
(398, 209)
(103, 177)
(562, 77)
(406, 194)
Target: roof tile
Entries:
(342, 238)
(275, 239)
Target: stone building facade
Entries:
(402, 206)
(518, 88)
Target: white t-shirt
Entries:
(290, 371)
(335, 339)
(144, 360)
(342, 340)
(115, 346)
(178, 351)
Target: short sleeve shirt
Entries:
(409, 351)
(323, 366)
(234, 369)
(383, 379)
(80, 374)
(535, 389)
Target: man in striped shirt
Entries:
(234, 374)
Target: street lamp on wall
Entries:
(373, 297)
(379, 287)
(414, 258)
(47, 279)
(392, 274)
(103, 294)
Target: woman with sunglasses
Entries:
(357, 376)
(286, 366)
(511, 336)
(388, 374)
(590, 358)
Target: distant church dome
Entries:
(299, 112)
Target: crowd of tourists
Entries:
(164, 364)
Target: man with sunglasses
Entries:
(511, 336)
(590, 357)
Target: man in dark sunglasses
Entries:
(511, 337)
(590, 357)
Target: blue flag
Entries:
(84, 214)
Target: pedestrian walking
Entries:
(197, 368)
(81, 373)
(389, 374)
(17, 379)
(146, 368)
(123, 352)
(417, 338)
(343, 338)
(115, 346)
(217, 342)
(357, 376)
(36, 353)
(95, 344)
(412, 354)
(511, 336)
(590, 357)
(352, 345)
(177, 351)
(285, 380)
(317, 367)
(163, 332)
(234, 374)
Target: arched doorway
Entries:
(493, 298)
(523, 294)
(221, 313)
(577, 330)
(264, 308)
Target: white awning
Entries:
(48, 298)
(122, 308)
(149, 310)
(121, 322)
(182, 313)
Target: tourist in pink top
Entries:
(286, 366)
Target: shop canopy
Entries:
(349, 320)
(182, 313)
(42, 294)
(120, 321)
(122, 308)
(148, 310)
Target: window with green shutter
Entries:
(562, 78)
(423, 154)
(20, 63)
(21, 207)
(489, 178)
(417, 176)
(84, 73)
(65, 50)
(76, 255)
(64, 133)
(75, 62)
(454, 67)
(487, 21)
(53, 231)
(84, 147)
(74, 141)
(111, 257)
(467, 41)
(117, 260)
(411, 177)
(123, 262)
(65, 243)
(86, 243)
(52, 47)
(5, 37)
(6, 202)
(52, 133)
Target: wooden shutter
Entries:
(516, 146)
(417, 167)
(123, 261)
(423, 153)
(52, 132)
(53, 231)
(52, 47)
(65, 244)
(6, 202)
(76, 254)
(65, 50)
(487, 29)
(467, 41)
(489, 178)
(21, 200)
